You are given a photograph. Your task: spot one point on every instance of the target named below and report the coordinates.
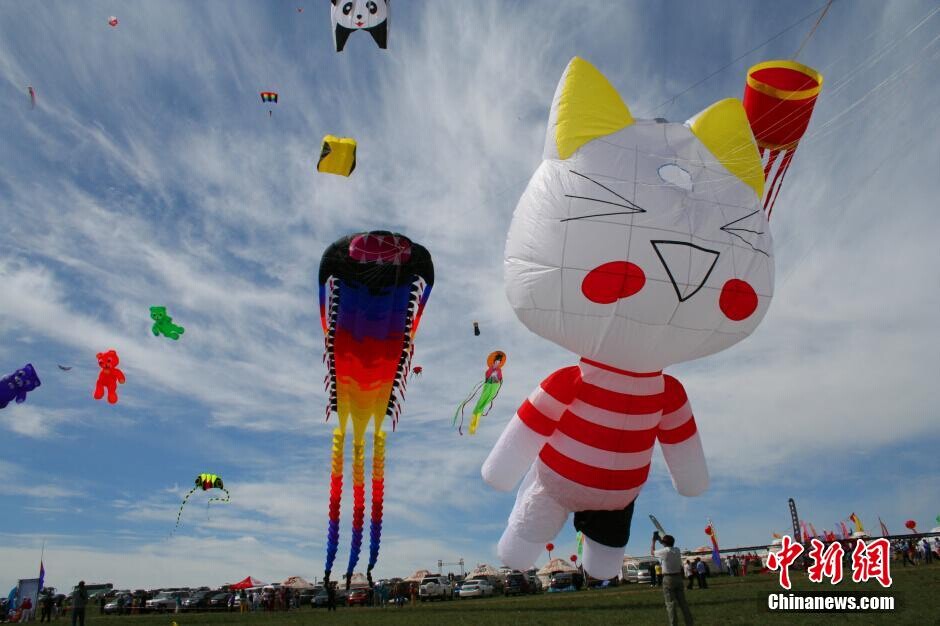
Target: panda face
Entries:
(356, 14)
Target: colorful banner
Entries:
(858, 523)
(884, 529)
(713, 535)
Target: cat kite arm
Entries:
(530, 427)
(682, 447)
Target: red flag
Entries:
(884, 529)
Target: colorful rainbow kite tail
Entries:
(336, 496)
(378, 497)
(359, 507)
(227, 498)
(373, 288)
(191, 492)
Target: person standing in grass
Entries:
(330, 596)
(79, 600)
(701, 569)
(672, 579)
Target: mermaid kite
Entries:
(490, 385)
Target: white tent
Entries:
(483, 570)
(419, 576)
(296, 582)
(358, 580)
(555, 565)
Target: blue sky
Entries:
(150, 173)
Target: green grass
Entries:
(726, 601)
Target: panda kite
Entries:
(349, 16)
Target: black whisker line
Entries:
(746, 230)
(602, 186)
(584, 217)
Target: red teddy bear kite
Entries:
(109, 377)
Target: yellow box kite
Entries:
(337, 156)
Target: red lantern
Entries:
(708, 530)
(574, 558)
(549, 546)
(911, 524)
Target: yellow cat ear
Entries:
(725, 131)
(586, 106)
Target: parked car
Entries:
(197, 600)
(119, 604)
(434, 587)
(219, 601)
(515, 584)
(638, 570)
(476, 589)
(361, 597)
(166, 601)
(565, 581)
(307, 595)
(320, 600)
(535, 584)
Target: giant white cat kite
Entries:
(637, 244)
(349, 16)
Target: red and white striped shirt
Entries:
(600, 424)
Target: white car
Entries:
(166, 601)
(434, 587)
(476, 589)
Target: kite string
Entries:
(809, 35)
(735, 60)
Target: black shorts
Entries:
(609, 528)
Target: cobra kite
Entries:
(488, 389)
(13, 388)
(204, 482)
(348, 16)
(163, 324)
(696, 278)
(373, 290)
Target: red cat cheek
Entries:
(738, 300)
(612, 281)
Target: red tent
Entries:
(247, 583)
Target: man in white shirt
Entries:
(673, 588)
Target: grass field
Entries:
(726, 601)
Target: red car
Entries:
(358, 596)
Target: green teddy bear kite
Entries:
(163, 324)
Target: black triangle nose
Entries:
(358, 17)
